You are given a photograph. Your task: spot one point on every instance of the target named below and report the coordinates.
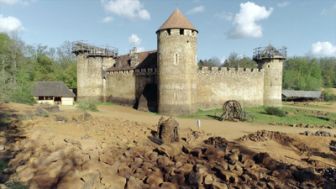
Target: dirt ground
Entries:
(70, 149)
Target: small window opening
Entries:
(181, 31)
(168, 31)
(176, 59)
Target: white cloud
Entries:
(323, 49)
(134, 40)
(9, 24)
(107, 19)
(245, 21)
(9, 2)
(283, 4)
(197, 9)
(13, 2)
(132, 9)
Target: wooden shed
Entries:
(53, 92)
(300, 95)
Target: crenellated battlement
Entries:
(142, 71)
(229, 71)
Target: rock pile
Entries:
(264, 135)
(318, 133)
(301, 125)
(214, 164)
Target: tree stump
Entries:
(168, 130)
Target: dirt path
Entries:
(229, 130)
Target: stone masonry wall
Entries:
(90, 76)
(273, 82)
(217, 85)
(177, 69)
(125, 87)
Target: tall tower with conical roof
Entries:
(177, 65)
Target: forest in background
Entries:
(22, 64)
(299, 73)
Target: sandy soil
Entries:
(105, 136)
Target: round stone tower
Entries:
(177, 65)
(271, 61)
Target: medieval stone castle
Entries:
(169, 80)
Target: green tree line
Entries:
(299, 73)
(21, 65)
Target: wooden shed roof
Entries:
(301, 94)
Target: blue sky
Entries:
(225, 26)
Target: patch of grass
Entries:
(205, 114)
(275, 111)
(293, 116)
(87, 106)
(328, 95)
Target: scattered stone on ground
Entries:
(264, 135)
(332, 145)
(317, 133)
(60, 118)
(104, 152)
(215, 164)
(50, 108)
(84, 116)
(301, 125)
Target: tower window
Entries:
(176, 59)
(181, 31)
(168, 31)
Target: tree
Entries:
(234, 61)
(328, 68)
(302, 73)
(212, 62)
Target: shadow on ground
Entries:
(9, 135)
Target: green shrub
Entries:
(275, 111)
(16, 185)
(3, 165)
(87, 106)
(41, 112)
(22, 94)
(328, 96)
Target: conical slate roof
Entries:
(177, 21)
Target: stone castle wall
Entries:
(90, 76)
(217, 85)
(126, 87)
(214, 86)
